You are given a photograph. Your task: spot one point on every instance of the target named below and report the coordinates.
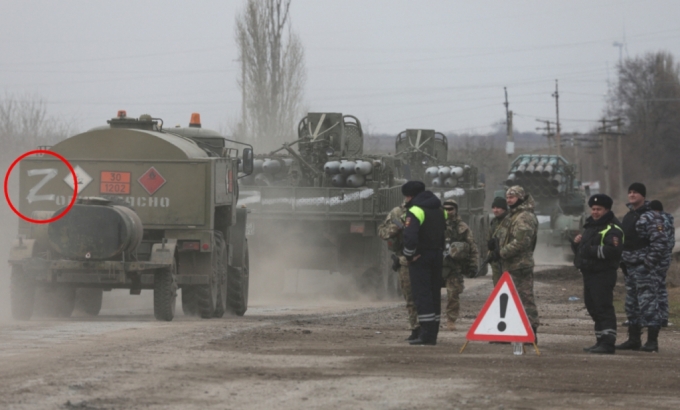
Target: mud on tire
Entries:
(238, 282)
(164, 295)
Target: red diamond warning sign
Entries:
(151, 180)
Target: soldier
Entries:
(644, 249)
(669, 228)
(597, 253)
(517, 233)
(391, 230)
(499, 207)
(423, 247)
(461, 260)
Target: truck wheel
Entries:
(89, 301)
(238, 278)
(164, 294)
(206, 299)
(189, 305)
(22, 291)
(64, 301)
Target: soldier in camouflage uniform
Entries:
(644, 249)
(499, 207)
(669, 228)
(462, 258)
(517, 233)
(391, 230)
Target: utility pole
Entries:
(556, 94)
(510, 144)
(619, 130)
(605, 164)
(548, 133)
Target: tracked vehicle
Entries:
(155, 209)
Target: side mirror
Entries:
(247, 161)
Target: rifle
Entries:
(492, 256)
(395, 262)
(398, 223)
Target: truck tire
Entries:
(22, 292)
(164, 294)
(63, 300)
(238, 278)
(206, 299)
(189, 304)
(221, 276)
(89, 301)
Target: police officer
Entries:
(391, 230)
(645, 246)
(499, 208)
(423, 246)
(669, 228)
(597, 254)
(518, 235)
(462, 258)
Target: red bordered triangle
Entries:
(502, 319)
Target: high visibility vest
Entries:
(419, 213)
(603, 233)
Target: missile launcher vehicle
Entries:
(154, 208)
(424, 154)
(559, 202)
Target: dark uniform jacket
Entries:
(601, 245)
(425, 225)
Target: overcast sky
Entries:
(394, 64)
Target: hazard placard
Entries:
(502, 319)
(151, 180)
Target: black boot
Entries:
(652, 344)
(428, 334)
(605, 345)
(414, 334)
(597, 343)
(633, 342)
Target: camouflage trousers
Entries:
(405, 283)
(495, 272)
(642, 295)
(455, 285)
(524, 283)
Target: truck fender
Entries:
(21, 249)
(164, 253)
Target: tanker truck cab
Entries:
(155, 209)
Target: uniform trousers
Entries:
(426, 285)
(598, 294)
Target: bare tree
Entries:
(273, 71)
(647, 96)
(25, 125)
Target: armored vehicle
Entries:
(316, 203)
(424, 154)
(559, 202)
(155, 209)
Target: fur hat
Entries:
(412, 188)
(517, 191)
(639, 188)
(601, 200)
(499, 202)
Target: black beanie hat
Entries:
(639, 188)
(656, 205)
(499, 202)
(412, 188)
(601, 200)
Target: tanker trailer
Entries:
(153, 209)
(559, 202)
(320, 212)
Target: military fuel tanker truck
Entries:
(316, 203)
(424, 154)
(155, 209)
(560, 204)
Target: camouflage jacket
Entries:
(392, 228)
(462, 253)
(493, 233)
(669, 227)
(517, 233)
(652, 234)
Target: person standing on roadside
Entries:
(645, 246)
(518, 234)
(669, 228)
(597, 254)
(392, 231)
(423, 246)
(462, 258)
(499, 207)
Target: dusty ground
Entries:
(326, 354)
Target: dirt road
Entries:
(326, 354)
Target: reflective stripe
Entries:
(408, 252)
(605, 230)
(418, 213)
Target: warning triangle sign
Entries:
(502, 319)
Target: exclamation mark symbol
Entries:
(504, 307)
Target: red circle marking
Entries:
(75, 185)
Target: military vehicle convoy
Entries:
(425, 157)
(155, 209)
(560, 204)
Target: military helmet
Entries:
(450, 203)
(517, 191)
